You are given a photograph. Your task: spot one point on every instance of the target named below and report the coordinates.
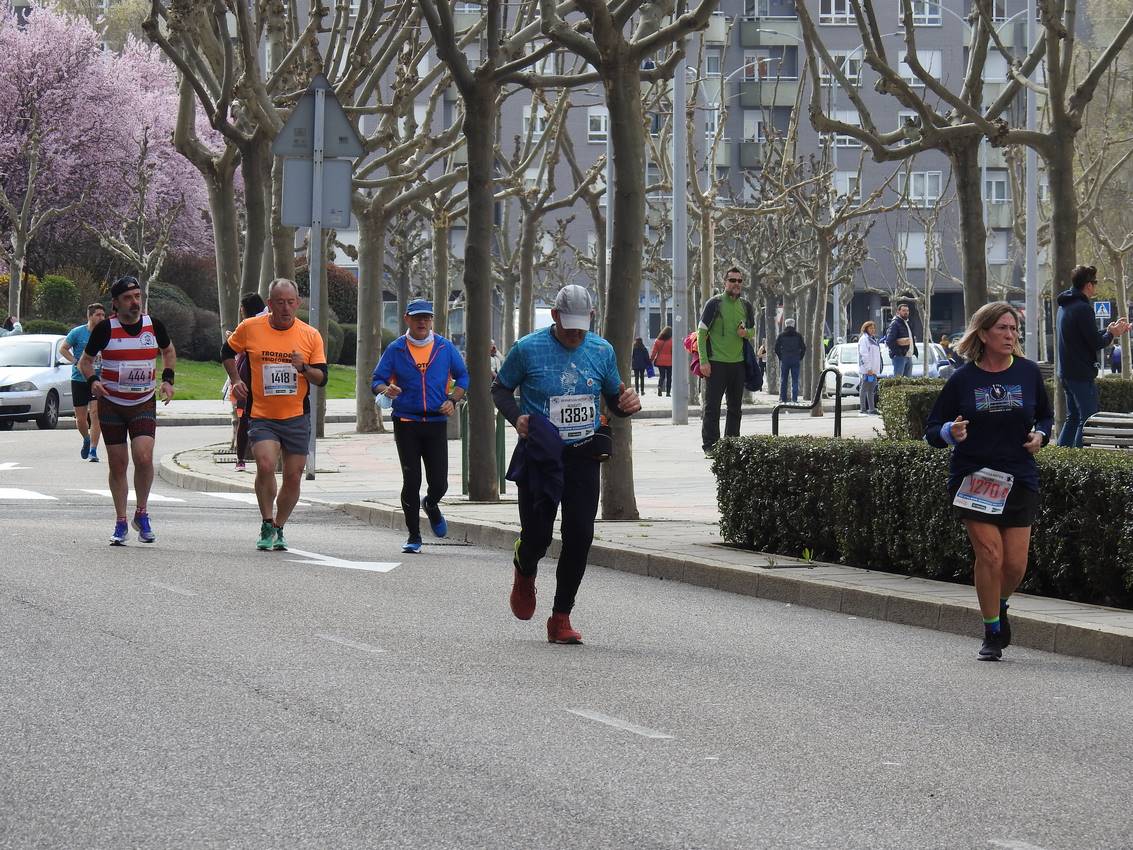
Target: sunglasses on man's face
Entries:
(735, 280)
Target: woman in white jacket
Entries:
(869, 368)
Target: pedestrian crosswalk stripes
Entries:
(153, 497)
(15, 495)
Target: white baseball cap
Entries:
(575, 307)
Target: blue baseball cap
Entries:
(419, 306)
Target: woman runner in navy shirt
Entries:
(995, 415)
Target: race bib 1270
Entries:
(573, 415)
(985, 491)
(280, 379)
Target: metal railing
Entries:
(817, 401)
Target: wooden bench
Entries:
(1109, 431)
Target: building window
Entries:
(913, 246)
(998, 246)
(995, 188)
(597, 124)
(471, 8)
(534, 128)
(846, 116)
(999, 10)
(921, 188)
(929, 59)
(926, 13)
(753, 126)
(995, 67)
(849, 62)
(848, 184)
(711, 122)
(712, 63)
(835, 12)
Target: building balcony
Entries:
(717, 31)
(1011, 34)
(1000, 215)
(751, 154)
(761, 32)
(723, 152)
(776, 91)
(995, 157)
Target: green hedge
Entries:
(46, 326)
(848, 501)
(905, 403)
(57, 298)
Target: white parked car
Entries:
(845, 358)
(35, 381)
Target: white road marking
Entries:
(15, 494)
(617, 723)
(1010, 844)
(243, 498)
(341, 563)
(9, 466)
(153, 497)
(172, 588)
(353, 644)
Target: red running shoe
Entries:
(559, 630)
(523, 596)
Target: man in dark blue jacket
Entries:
(1079, 342)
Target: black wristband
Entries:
(167, 376)
(91, 380)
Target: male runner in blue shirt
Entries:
(563, 373)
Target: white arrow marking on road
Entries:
(153, 497)
(328, 561)
(10, 465)
(353, 644)
(1013, 845)
(625, 725)
(245, 498)
(14, 493)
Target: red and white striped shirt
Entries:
(129, 374)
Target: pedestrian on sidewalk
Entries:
(995, 415)
(640, 364)
(126, 386)
(251, 305)
(869, 368)
(789, 349)
(1079, 342)
(495, 359)
(724, 325)
(563, 372)
(662, 358)
(416, 370)
(902, 344)
(86, 414)
(286, 357)
(11, 327)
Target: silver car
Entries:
(35, 380)
(845, 358)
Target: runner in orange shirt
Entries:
(285, 356)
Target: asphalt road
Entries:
(198, 693)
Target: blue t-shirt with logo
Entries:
(77, 339)
(562, 383)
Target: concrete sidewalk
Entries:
(677, 536)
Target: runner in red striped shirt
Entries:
(129, 342)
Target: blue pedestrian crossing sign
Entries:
(1101, 310)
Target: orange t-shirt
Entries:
(278, 390)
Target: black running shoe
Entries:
(992, 649)
(1004, 628)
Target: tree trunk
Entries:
(771, 330)
(623, 97)
(479, 134)
(226, 238)
(1118, 260)
(603, 274)
(812, 362)
(441, 229)
(16, 275)
(965, 158)
(282, 238)
(256, 162)
(527, 237)
(324, 324)
(371, 250)
(707, 253)
(507, 319)
(1063, 209)
(404, 280)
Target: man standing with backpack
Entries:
(725, 322)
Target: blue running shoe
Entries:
(121, 533)
(85, 453)
(436, 519)
(141, 525)
(412, 546)
(94, 455)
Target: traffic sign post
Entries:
(316, 189)
(1102, 314)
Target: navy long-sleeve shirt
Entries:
(1079, 339)
(1002, 408)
